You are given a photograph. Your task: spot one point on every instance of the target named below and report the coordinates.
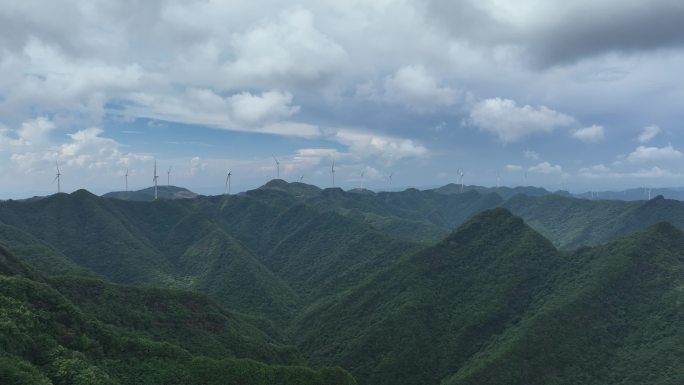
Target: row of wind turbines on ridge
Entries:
(155, 177)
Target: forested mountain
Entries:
(409, 287)
(496, 303)
(74, 331)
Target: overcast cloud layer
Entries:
(578, 95)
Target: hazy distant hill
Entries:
(635, 194)
(147, 194)
(503, 191)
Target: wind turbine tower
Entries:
(57, 178)
(154, 179)
(460, 176)
(126, 179)
(390, 177)
(332, 171)
(277, 167)
(363, 173)
(228, 180)
(168, 177)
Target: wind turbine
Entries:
(301, 179)
(332, 171)
(228, 180)
(363, 173)
(154, 179)
(168, 177)
(498, 179)
(126, 178)
(461, 174)
(277, 166)
(390, 177)
(57, 178)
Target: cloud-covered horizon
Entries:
(416, 89)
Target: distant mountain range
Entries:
(173, 192)
(484, 286)
(147, 194)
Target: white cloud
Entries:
(648, 133)
(415, 88)
(596, 171)
(529, 154)
(251, 110)
(546, 168)
(591, 134)
(289, 49)
(33, 132)
(652, 154)
(654, 173)
(513, 168)
(197, 165)
(306, 158)
(510, 122)
(602, 172)
(388, 147)
(263, 113)
(86, 149)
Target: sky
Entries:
(577, 95)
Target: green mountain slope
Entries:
(420, 320)
(90, 233)
(46, 339)
(186, 319)
(495, 303)
(617, 319)
(572, 222)
(38, 254)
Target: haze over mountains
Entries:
(410, 287)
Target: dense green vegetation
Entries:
(495, 303)
(253, 287)
(132, 336)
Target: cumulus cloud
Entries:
(591, 134)
(263, 113)
(415, 88)
(289, 49)
(644, 154)
(529, 154)
(510, 122)
(648, 133)
(388, 147)
(596, 171)
(305, 158)
(250, 109)
(86, 149)
(546, 168)
(600, 171)
(33, 132)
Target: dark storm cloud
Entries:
(565, 32)
(625, 27)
